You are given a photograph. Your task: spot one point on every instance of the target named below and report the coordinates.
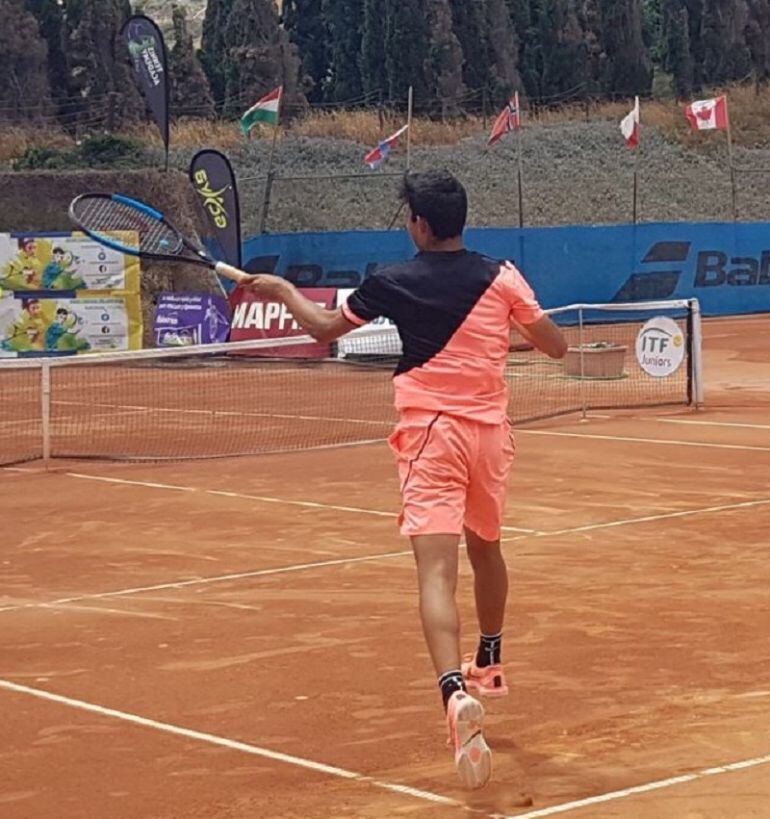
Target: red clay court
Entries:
(238, 637)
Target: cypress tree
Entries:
(471, 28)
(344, 22)
(213, 48)
(725, 53)
(503, 51)
(50, 19)
(758, 37)
(445, 58)
(677, 59)
(374, 79)
(25, 90)
(98, 66)
(406, 49)
(190, 92)
(305, 26)
(627, 70)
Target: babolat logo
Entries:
(667, 263)
(213, 201)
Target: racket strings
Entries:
(118, 221)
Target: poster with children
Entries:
(64, 262)
(31, 326)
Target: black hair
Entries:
(439, 198)
(59, 250)
(61, 311)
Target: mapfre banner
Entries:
(254, 318)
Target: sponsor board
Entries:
(182, 319)
(660, 347)
(254, 318)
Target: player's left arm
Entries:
(320, 322)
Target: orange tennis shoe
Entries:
(487, 682)
(465, 720)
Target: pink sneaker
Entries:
(487, 682)
(465, 720)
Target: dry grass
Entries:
(749, 114)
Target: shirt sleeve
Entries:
(369, 302)
(525, 308)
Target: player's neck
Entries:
(444, 245)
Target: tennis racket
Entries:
(107, 218)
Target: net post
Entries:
(697, 353)
(583, 397)
(45, 409)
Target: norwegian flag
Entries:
(508, 120)
(706, 115)
(377, 156)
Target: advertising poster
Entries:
(31, 326)
(184, 319)
(254, 318)
(66, 262)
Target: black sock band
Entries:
(449, 682)
(488, 652)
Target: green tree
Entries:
(344, 22)
(25, 92)
(627, 68)
(374, 78)
(445, 59)
(50, 19)
(503, 51)
(726, 56)
(190, 92)
(758, 37)
(305, 25)
(675, 48)
(213, 52)
(98, 67)
(471, 29)
(406, 49)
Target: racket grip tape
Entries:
(229, 272)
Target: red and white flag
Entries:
(508, 120)
(378, 155)
(630, 126)
(705, 115)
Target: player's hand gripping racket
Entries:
(104, 217)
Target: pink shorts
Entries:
(454, 473)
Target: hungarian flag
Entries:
(377, 156)
(630, 127)
(267, 110)
(508, 120)
(705, 115)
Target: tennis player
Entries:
(454, 310)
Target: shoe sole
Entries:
(473, 759)
(472, 685)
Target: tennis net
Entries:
(252, 398)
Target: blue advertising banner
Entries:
(184, 319)
(725, 265)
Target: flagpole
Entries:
(269, 180)
(730, 161)
(636, 161)
(410, 111)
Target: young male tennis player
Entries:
(454, 310)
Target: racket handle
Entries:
(229, 272)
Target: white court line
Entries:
(713, 423)
(230, 744)
(650, 786)
(202, 581)
(657, 441)
(261, 498)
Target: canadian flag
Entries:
(630, 127)
(705, 115)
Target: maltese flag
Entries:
(705, 115)
(630, 128)
(377, 156)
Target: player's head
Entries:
(32, 306)
(58, 254)
(438, 206)
(61, 315)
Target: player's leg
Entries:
(487, 490)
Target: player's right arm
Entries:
(544, 335)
